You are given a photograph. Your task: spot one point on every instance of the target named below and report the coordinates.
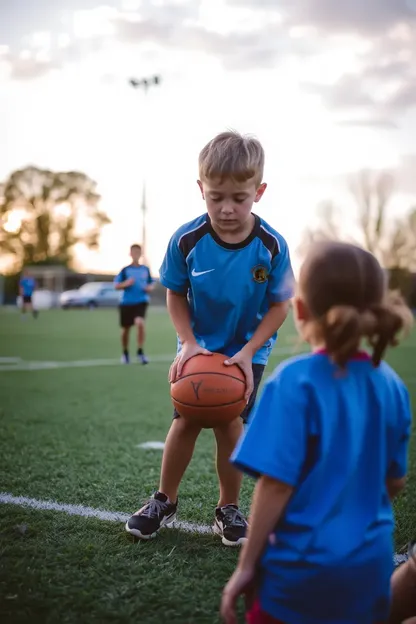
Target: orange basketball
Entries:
(208, 392)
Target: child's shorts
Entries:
(258, 370)
(257, 616)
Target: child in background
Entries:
(328, 443)
(27, 286)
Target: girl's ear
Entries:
(300, 309)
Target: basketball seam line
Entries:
(208, 406)
(209, 373)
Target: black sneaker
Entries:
(231, 525)
(155, 514)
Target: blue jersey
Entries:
(229, 286)
(142, 278)
(335, 437)
(27, 284)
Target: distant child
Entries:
(229, 281)
(27, 285)
(136, 283)
(328, 443)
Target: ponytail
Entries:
(343, 328)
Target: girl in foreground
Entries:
(328, 443)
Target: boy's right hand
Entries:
(188, 351)
(129, 282)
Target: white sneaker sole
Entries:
(218, 531)
(166, 522)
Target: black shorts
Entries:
(258, 370)
(27, 298)
(129, 313)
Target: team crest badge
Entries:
(260, 274)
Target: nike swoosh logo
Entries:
(196, 273)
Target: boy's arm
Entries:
(181, 318)
(150, 282)
(279, 292)
(120, 281)
(179, 312)
(271, 322)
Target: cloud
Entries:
(169, 25)
(366, 18)
(383, 84)
(382, 124)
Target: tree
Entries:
(392, 242)
(44, 215)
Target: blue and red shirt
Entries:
(335, 437)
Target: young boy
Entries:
(27, 287)
(229, 281)
(136, 283)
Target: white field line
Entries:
(21, 365)
(108, 516)
(88, 512)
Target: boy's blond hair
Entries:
(234, 156)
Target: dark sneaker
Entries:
(231, 525)
(142, 358)
(125, 358)
(155, 514)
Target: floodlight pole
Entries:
(145, 84)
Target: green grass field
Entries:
(71, 422)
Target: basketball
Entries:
(209, 393)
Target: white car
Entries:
(91, 295)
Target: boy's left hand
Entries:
(244, 360)
(240, 583)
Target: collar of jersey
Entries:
(359, 355)
(254, 232)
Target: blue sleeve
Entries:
(275, 442)
(174, 270)
(399, 461)
(121, 277)
(281, 280)
(150, 279)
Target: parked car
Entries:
(91, 295)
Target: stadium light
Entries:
(144, 84)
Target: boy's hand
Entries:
(128, 282)
(189, 350)
(244, 360)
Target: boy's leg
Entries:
(230, 523)
(179, 448)
(229, 477)
(161, 508)
(126, 321)
(141, 331)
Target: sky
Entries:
(328, 87)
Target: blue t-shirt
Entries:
(229, 286)
(335, 437)
(27, 284)
(132, 295)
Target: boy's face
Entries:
(229, 203)
(135, 253)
